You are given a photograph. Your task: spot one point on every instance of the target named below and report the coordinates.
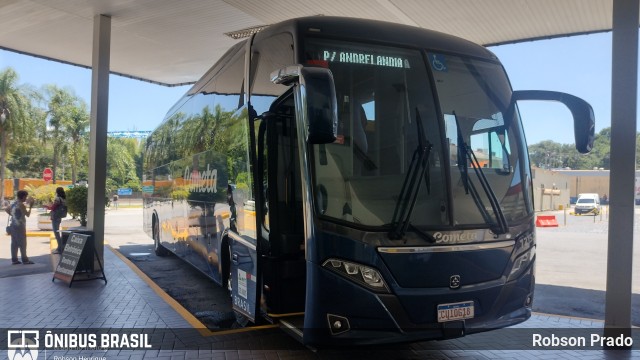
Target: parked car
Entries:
(588, 204)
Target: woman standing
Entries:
(56, 216)
(19, 215)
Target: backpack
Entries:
(62, 211)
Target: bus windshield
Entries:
(388, 110)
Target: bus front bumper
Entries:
(341, 312)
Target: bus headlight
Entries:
(361, 274)
(521, 263)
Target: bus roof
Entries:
(379, 31)
(353, 29)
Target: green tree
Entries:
(546, 154)
(27, 160)
(120, 161)
(77, 203)
(14, 113)
(59, 106)
(75, 127)
(549, 154)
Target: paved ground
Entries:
(30, 299)
(571, 266)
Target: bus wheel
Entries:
(158, 248)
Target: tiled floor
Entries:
(127, 302)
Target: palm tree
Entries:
(75, 126)
(13, 116)
(59, 108)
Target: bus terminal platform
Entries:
(129, 302)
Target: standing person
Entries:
(59, 202)
(115, 201)
(19, 215)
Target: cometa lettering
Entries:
(202, 181)
(454, 238)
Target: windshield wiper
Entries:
(467, 153)
(411, 186)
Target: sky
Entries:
(579, 65)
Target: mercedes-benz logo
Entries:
(454, 281)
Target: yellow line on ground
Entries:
(53, 243)
(192, 320)
(247, 329)
(285, 315)
(38, 233)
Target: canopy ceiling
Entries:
(174, 42)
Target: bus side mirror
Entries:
(316, 95)
(584, 122)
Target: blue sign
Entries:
(438, 62)
(125, 191)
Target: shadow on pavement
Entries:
(43, 262)
(203, 298)
(568, 301)
(211, 304)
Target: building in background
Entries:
(557, 188)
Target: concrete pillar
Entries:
(624, 89)
(98, 126)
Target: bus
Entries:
(355, 181)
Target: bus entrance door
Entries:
(283, 259)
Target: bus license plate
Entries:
(455, 311)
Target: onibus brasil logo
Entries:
(23, 344)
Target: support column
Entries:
(624, 88)
(98, 126)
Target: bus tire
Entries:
(157, 247)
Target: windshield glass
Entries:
(380, 92)
(484, 136)
(586, 201)
(383, 94)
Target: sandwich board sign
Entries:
(68, 267)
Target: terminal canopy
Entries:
(174, 42)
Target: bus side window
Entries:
(269, 54)
(260, 127)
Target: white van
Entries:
(588, 204)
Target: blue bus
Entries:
(354, 181)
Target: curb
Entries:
(39, 234)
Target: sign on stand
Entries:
(79, 249)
